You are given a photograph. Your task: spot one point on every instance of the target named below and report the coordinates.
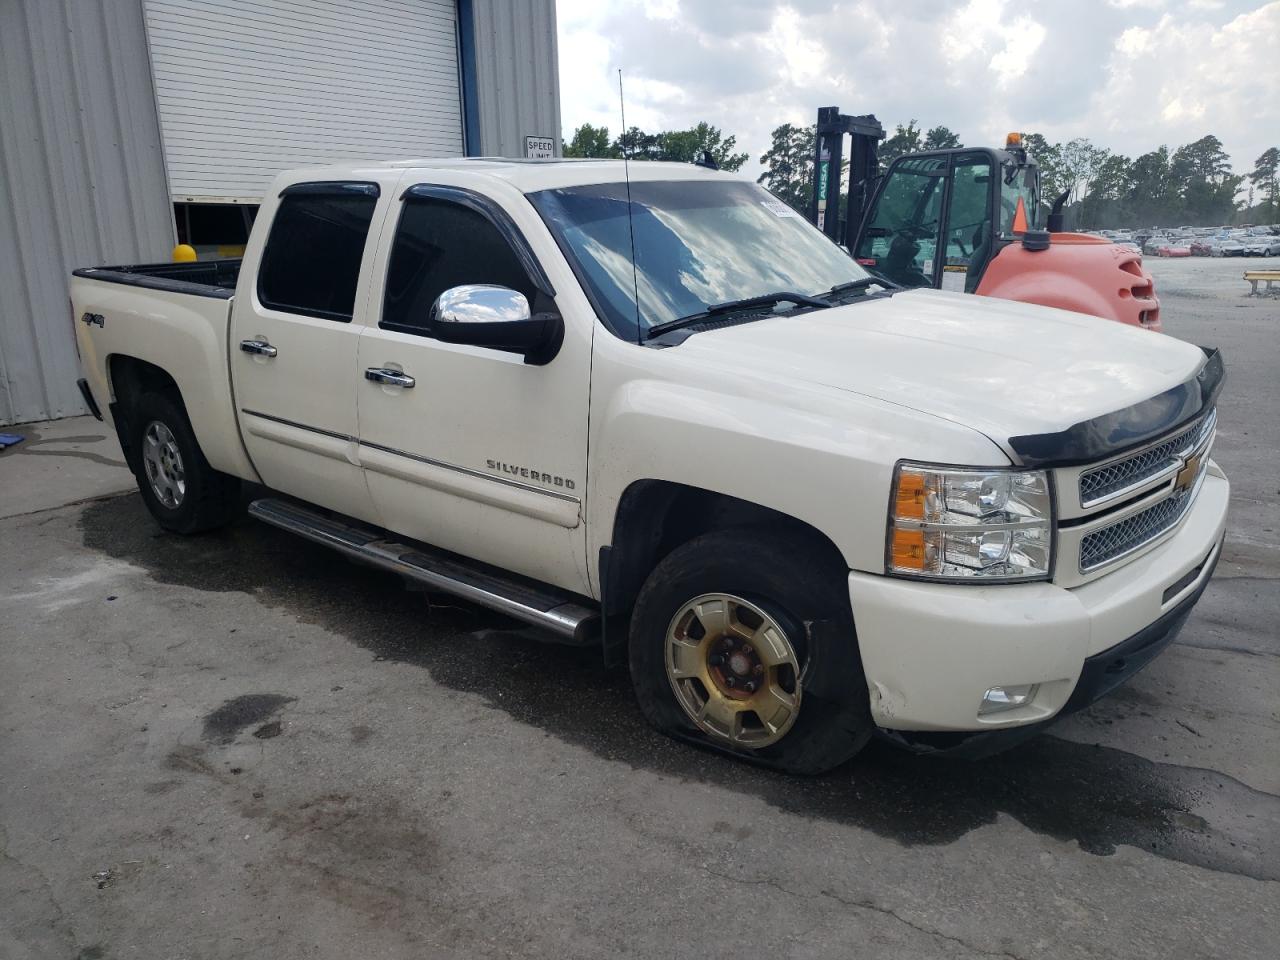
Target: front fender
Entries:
(822, 456)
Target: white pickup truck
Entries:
(667, 416)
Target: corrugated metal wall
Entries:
(82, 181)
(517, 74)
(247, 88)
(82, 171)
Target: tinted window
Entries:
(440, 244)
(902, 233)
(968, 224)
(1021, 185)
(312, 258)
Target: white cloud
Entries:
(1128, 74)
(1187, 77)
(987, 32)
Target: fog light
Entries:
(999, 699)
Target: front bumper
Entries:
(931, 651)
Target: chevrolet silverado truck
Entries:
(664, 415)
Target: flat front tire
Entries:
(743, 640)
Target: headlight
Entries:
(955, 524)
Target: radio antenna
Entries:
(631, 229)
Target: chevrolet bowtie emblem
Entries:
(1187, 475)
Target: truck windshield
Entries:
(698, 243)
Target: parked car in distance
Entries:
(668, 418)
(1263, 245)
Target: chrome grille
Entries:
(1112, 542)
(1107, 481)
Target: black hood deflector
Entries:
(1114, 433)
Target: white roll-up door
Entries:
(247, 88)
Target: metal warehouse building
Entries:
(121, 120)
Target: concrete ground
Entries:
(239, 745)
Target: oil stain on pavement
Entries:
(1099, 797)
(222, 725)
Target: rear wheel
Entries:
(743, 640)
(181, 490)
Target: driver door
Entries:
(464, 447)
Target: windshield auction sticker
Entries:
(778, 208)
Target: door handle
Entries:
(259, 347)
(393, 378)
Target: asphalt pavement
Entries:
(241, 745)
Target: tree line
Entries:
(681, 146)
(1192, 184)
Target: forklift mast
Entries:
(865, 133)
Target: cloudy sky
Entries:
(1128, 74)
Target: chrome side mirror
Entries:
(486, 315)
(480, 303)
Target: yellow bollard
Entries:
(184, 253)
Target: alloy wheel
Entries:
(734, 670)
(163, 463)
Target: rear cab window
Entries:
(311, 261)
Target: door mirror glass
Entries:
(487, 315)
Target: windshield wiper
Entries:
(860, 284)
(734, 306)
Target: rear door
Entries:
(293, 351)
(482, 454)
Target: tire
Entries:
(773, 583)
(181, 490)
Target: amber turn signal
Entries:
(909, 500)
(908, 549)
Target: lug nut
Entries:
(730, 682)
(715, 660)
(750, 686)
(759, 669)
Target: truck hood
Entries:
(1006, 369)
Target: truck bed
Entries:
(207, 278)
(176, 317)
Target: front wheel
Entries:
(743, 639)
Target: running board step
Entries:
(563, 613)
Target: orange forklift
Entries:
(967, 219)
